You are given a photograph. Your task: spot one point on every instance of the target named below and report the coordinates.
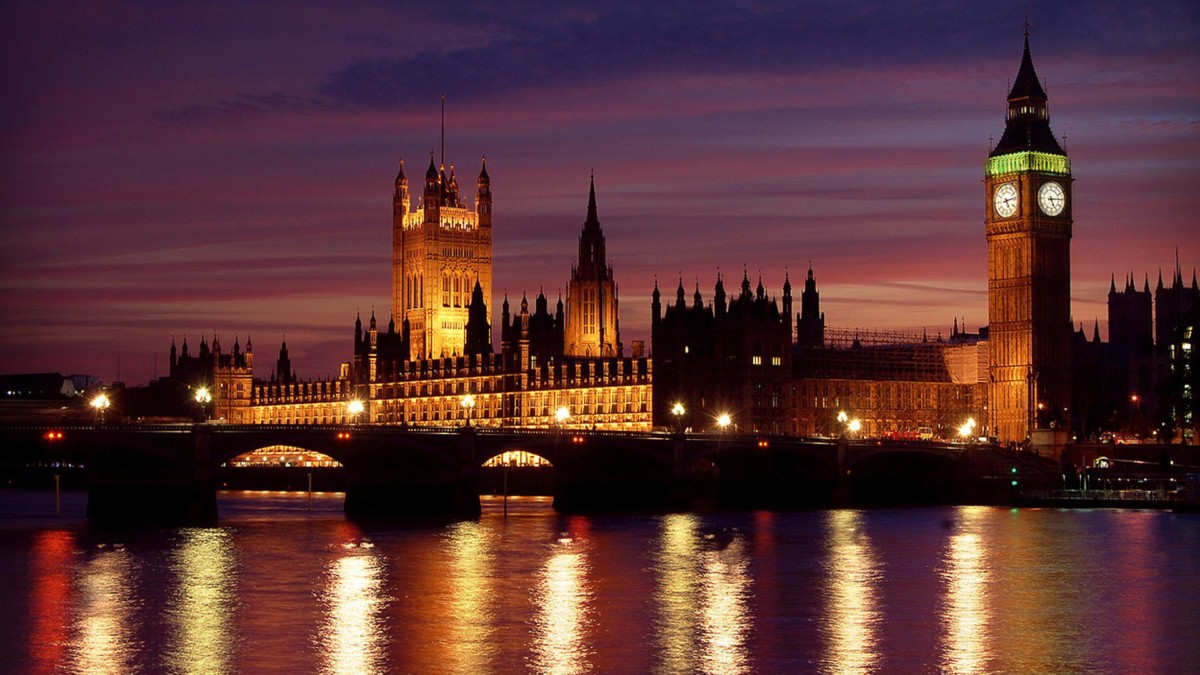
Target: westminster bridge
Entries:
(168, 472)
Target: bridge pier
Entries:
(378, 490)
(183, 493)
(613, 480)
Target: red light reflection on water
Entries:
(766, 573)
(51, 597)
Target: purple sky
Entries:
(177, 168)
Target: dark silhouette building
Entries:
(1131, 381)
(1171, 304)
(810, 323)
(728, 357)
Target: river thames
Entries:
(277, 587)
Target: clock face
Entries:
(1052, 199)
(1005, 200)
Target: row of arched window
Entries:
(456, 288)
(414, 290)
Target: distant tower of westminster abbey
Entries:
(1028, 200)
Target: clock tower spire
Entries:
(1027, 181)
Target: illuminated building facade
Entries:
(228, 377)
(440, 250)
(896, 385)
(728, 357)
(1027, 182)
(403, 383)
(285, 399)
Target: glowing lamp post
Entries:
(854, 426)
(562, 415)
(100, 403)
(723, 421)
(355, 408)
(468, 404)
(967, 430)
(203, 398)
(678, 411)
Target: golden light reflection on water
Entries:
(471, 625)
(726, 618)
(204, 602)
(965, 611)
(675, 596)
(703, 616)
(852, 596)
(353, 633)
(103, 641)
(564, 597)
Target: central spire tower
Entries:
(591, 321)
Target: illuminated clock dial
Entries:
(1005, 200)
(1052, 199)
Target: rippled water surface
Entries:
(277, 587)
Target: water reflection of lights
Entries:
(50, 597)
(726, 619)
(676, 592)
(564, 599)
(852, 613)
(354, 630)
(203, 602)
(965, 611)
(471, 625)
(104, 637)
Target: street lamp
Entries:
(355, 408)
(203, 398)
(678, 410)
(468, 404)
(562, 415)
(854, 426)
(100, 403)
(723, 421)
(967, 429)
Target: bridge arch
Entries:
(285, 456)
(517, 458)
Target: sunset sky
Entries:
(177, 168)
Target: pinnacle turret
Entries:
(1028, 122)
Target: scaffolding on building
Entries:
(868, 354)
(897, 383)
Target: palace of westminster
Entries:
(741, 353)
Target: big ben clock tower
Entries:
(1028, 203)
